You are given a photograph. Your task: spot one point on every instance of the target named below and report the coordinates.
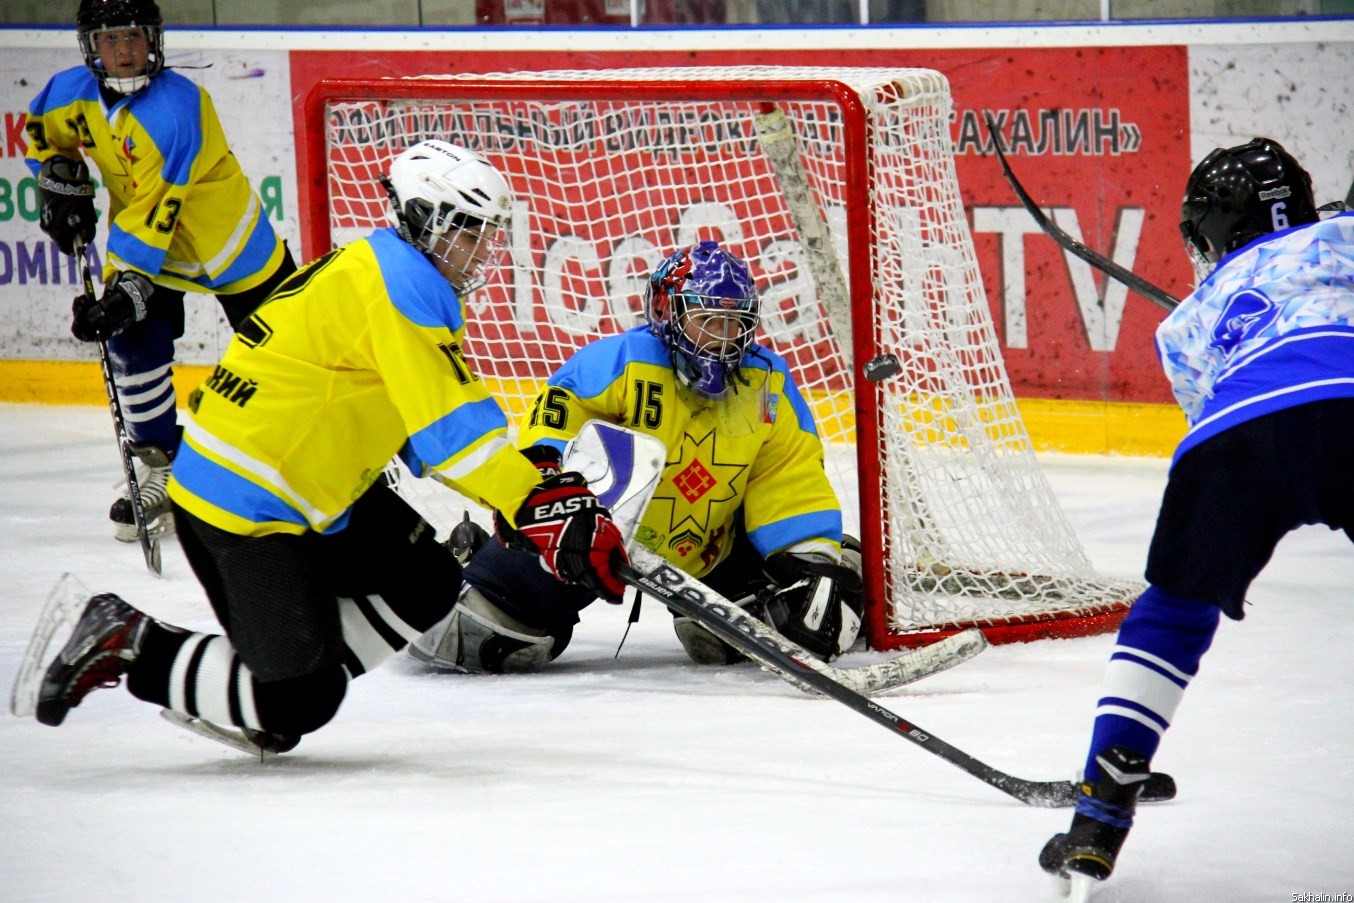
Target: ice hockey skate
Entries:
(153, 481)
(103, 644)
(1085, 855)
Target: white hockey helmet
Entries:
(440, 189)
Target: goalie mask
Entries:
(453, 205)
(1238, 194)
(123, 42)
(702, 303)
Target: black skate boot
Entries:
(1104, 815)
(153, 483)
(105, 642)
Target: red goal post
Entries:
(838, 186)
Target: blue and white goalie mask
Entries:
(702, 303)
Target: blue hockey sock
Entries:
(1157, 653)
(142, 362)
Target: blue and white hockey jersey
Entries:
(1272, 327)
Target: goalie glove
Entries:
(125, 301)
(817, 602)
(66, 199)
(572, 531)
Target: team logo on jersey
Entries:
(128, 145)
(772, 402)
(1247, 312)
(700, 480)
(694, 481)
(684, 542)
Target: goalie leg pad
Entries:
(480, 636)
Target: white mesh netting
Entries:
(613, 169)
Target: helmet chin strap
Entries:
(401, 222)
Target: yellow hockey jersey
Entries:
(180, 209)
(754, 454)
(355, 357)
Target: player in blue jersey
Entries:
(318, 571)
(743, 502)
(1261, 358)
(182, 217)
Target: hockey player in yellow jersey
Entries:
(743, 502)
(315, 568)
(182, 217)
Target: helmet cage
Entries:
(454, 206)
(702, 303)
(155, 59)
(472, 248)
(97, 17)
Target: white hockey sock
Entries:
(372, 632)
(208, 681)
(1142, 687)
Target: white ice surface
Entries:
(649, 778)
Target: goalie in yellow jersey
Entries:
(743, 503)
(316, 569)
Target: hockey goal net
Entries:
(838, 186)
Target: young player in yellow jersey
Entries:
(743, 502)
(182, 217)
(315, 568)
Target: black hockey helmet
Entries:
(1238, 194)
(99, 15)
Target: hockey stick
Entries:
(150, 545)
(623, 467)
(1158, 296)
(685, 595)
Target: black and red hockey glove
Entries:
(572, 531)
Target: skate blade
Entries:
(160, 527)
(226, 736)
(59, 615)
(1075, 889)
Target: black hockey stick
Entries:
(689, 597)
(1158, 296)
(150, 545)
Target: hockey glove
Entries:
(572, 531)
(547, 459)
(124, 302)
(816, 602)
(66, 198)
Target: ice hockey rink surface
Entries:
(649, 778)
